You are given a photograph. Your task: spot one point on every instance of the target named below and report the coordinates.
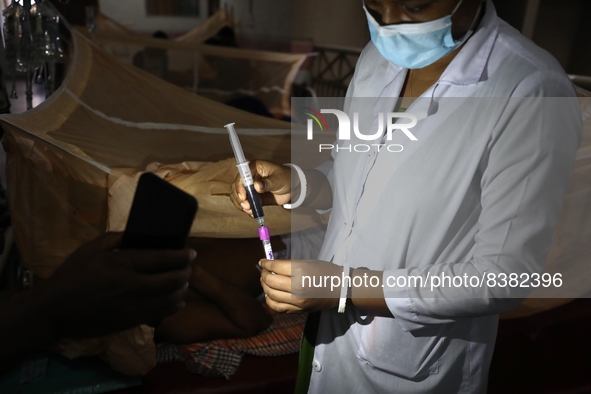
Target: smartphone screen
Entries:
(161, 216)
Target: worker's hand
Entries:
(288, 290)
(99, 290)
(272, 181)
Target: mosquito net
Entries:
(109, 120)
(105, 23)
(220, 73)
(72, 165)
(198, 35)
(207, 29)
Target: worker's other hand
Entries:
(288, 290)
(99, 289)
(272, 181)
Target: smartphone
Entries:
(161, 216)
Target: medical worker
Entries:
(476, 195)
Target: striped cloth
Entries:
(221, 358)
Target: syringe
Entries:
(246, 175)
(251, 194)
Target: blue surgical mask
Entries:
(415, 45)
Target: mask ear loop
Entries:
(457, 7)
(470, 31)
(434, 105)
(477, 15)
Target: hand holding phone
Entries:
(161, 216)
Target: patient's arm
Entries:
(218, 310)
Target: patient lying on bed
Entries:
(224, 292)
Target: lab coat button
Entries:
(317, 366)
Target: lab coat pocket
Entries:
(385, 346)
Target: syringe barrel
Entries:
(253, 197)
(245, 174)
(255, 202)
(235, 142)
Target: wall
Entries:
(561, 28)
(262, 20)
(511, 11)
(263, 23)
(559, 24)
(132, 14)
(580, 61)
(340, 23)
(74, 11)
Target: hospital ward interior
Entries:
(96, 93)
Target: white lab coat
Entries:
(479, 192)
